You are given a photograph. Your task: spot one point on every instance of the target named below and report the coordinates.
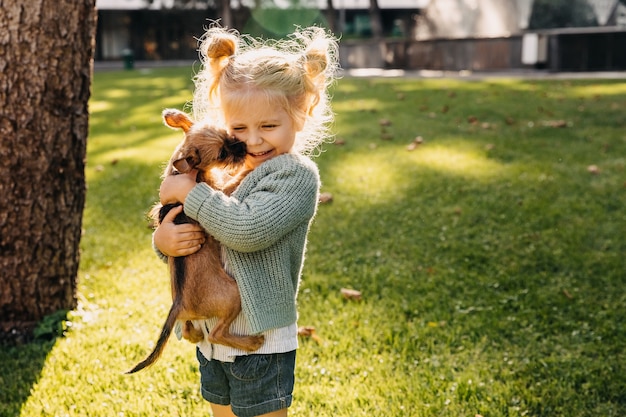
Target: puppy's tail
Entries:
(160, 345)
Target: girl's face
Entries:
(265, 127)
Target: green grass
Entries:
(491, 261)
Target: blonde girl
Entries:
(272, 95)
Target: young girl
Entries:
(272, 96)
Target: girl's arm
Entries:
(174, 189)
(281, 195)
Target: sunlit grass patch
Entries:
(466, 164)
(599, 90)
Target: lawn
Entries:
(489, 255)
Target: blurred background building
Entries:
(476, 35)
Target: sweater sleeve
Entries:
(159, 254)
(273, 200)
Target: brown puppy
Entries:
(200, 287)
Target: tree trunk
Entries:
(376, 20)
(331, 16)
(46, 51)
(226, 13)
(376, 23)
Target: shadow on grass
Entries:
(20, 367)
(126, 112)
(513, 271)
(22, 358)
(493, 230)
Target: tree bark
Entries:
(46, 62)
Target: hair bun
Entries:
(316, 62)
(316, 54)
(220, 45)
(217, 46)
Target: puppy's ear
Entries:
(186, 160)
(177, 119)
(183, 165)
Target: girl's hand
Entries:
(178, 239)
(176, 187)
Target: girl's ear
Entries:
(298, 114)
(298, 123)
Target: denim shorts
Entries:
(253, 385)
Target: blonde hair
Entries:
(295, 73)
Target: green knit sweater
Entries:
(263, 228)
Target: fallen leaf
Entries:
(306, 330)
(309, 331)
(350, 294)
(386, 136)
(472, 120)
(593, 169)
(555, 123)
(325, 198)
(339, 142)
(416, 142)
(384, 122)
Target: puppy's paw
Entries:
(254, 342)
(192, 334)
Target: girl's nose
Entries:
(253, 139)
